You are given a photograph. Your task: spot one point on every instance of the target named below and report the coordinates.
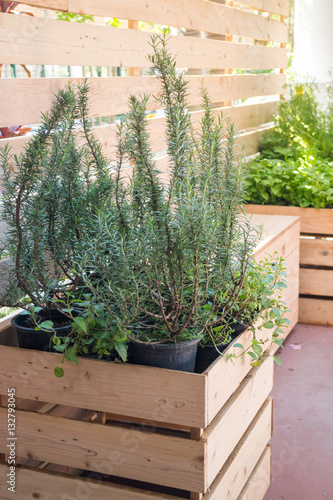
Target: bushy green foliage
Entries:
(50, 193)
(161, 250)
(295, 162)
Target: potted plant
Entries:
(50, 193)
(259, 300)
(163, 249)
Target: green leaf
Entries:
(256, 363)
(81, 323)
(71, 356)
(24, 313)
(59, 372)
(257, 349)
(277, 360)
(268, 324)
(239, 346)
(253, 356)
(46, 325)
(121, 349)
(278, 342)
(60, 348)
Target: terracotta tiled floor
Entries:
(302, 444)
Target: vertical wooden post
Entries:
(282, 45)
(196, 496)
(133, 25)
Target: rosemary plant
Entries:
(167, 248)
(50, 193)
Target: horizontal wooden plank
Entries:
(129, 453)
(109, 96)
(107, 137)
(61, 5)
(242, 116)
(316, 252)
(316, 311)
(192, 14)
(242, 461)
(260, 479)
(316, 282)
(313, 221)
(275, 6)
(106, 386)
(30, 40)
(41, 484)
(235, 417)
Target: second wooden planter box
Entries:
(316, 260)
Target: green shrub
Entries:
(295, 162)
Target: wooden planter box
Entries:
(316, 260)
(143, 432)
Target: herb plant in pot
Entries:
(50, 193)
(163, 248)
(259, 300)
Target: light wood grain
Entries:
(275, 6)
(27, 40)
(40, 484)
(316, 282)
(236, 416)
(316, 311)
(193, 14)
(110, 95)
(317, 252)
(105, 386)
(61, 5)
(313, 221)
(152, 457)
(260, 479)
(242, 461)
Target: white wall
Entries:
(313, 38)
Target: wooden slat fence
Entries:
(223, 27)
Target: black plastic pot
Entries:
(207, 354)
(174, 356)
(236, 328)
(29, 338)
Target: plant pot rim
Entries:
(165, 344)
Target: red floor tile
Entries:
(302, 444)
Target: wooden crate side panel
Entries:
(316, 252)
(316, 311)
(260, 479)
(235, 417)
(316, 282)
(129, 453)
(242, 461)
(105, 386)
(313, 221)
(109, 96)
(37, 483)
(279, 235)
(26, 40)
